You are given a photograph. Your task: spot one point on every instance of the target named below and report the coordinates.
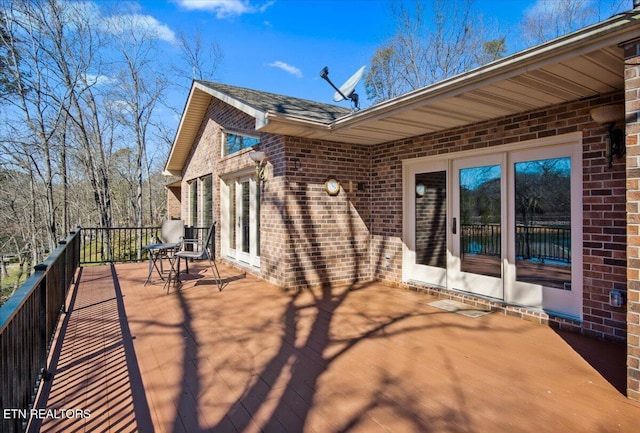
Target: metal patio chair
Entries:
(171, 234)
(201, 250)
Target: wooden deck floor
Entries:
(367, 358)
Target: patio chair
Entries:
(201, 250)
(172, 231)
(171, 234)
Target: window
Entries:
(207, 201)
(193, 202)
(201, 201)
(235, 143)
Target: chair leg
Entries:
(216, 273)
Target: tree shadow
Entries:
(305, 353)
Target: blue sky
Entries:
(280, 46)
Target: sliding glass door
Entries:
(504, 225)
(478, 224)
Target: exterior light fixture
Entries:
(261, 168)
(609, 115)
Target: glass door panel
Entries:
(240, 226)
(425, 252)
(545, 201)
(478, 218)
(543, 222)
(245, 217)
(243, 220)
(431, 219)
(231, 220)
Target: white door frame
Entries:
(476, 283)
(565, 302)
(235, 251)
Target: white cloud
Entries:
(138, 23)
(224, 8)
(287, 68)
(98, 80)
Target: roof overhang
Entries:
(586, 63)
(583, 64)
(194, 112)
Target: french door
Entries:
(477, 226)
(504, 224)
(240, 231)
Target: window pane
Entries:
(207, 201)
(480, 219)
(235, 143)
(245, 217)
(258, 220)
(232, 214)
(543, 222)
(431, 219)
(193, 201)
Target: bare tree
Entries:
(199, 59)
(141, 85)
(425, 51)
(550, 19)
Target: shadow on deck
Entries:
(360, 358)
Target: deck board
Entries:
(367, 358)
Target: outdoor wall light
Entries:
(609, 115)
(261, 169)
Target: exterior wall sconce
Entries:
(261, 167)
(609, 115)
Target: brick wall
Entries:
(320, 239)
(309, 238)
(174, 205)
(603, 200)
(632, 107)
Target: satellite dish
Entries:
(346, 91)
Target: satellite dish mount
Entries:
(347, 90)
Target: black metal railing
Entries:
(28, 319)
(124, 244)
(28, 322)
(119, 244)
(532, 241)
(544, 243)
(481, 239)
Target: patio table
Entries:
(157, 252)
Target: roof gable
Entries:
(255, 103)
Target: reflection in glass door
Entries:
(543, 222)
(546, 208)
(478, 226)
(480, 222)
(426, 253)
(431, 219)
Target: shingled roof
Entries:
(271, 102)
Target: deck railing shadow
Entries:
(101, 360)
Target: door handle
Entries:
(454, 226)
